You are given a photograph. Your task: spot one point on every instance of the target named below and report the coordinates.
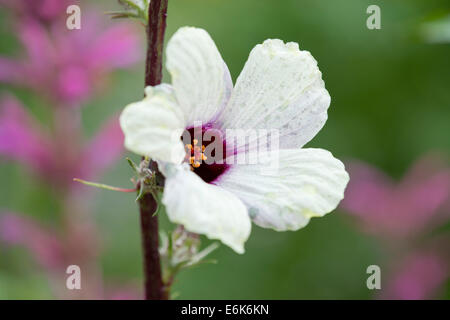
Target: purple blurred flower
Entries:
(22, 138)
(45, 10)
(102, 151)
(67, 65)
(419, 276)
(41, 243)
(52, 253)
(399, 209)
(400, 215)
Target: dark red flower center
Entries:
(205, 151)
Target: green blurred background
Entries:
(390, 104)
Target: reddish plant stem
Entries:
(157, 13)
(154, 286)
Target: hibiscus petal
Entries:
(281, 88)
(200, 77)
(206, 209)
(308, 183)
(153, 126)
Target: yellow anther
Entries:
(195, 154)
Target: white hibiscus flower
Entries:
(279, 88)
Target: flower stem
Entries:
(156, 28)
(154, 287)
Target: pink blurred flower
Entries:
(45, 10)
(22, 138)
(419, 276)
(67, 65)
(399, 209)
(403, 215)
(42, 243)
(102, 150)
(51, 252)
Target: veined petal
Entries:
(206, 209)
(308, 183)
(200, 77)
(153, 126)
(281, 88)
